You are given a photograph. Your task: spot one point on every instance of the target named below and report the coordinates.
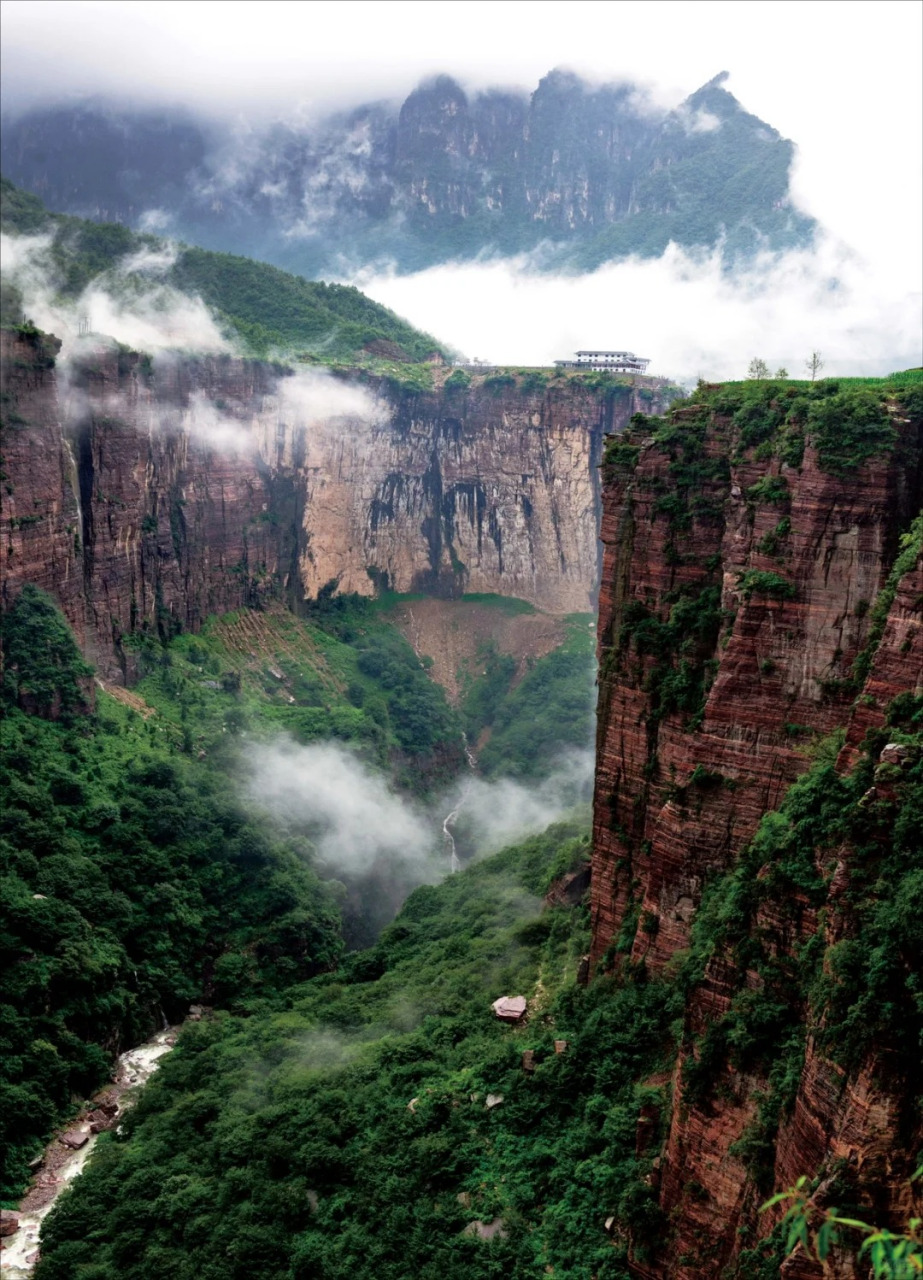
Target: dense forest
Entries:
(376, 1120)
(136, 877)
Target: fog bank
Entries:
(693, 319)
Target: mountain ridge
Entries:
(578, 173)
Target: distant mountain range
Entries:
(577, 174)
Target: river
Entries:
(61, 1163)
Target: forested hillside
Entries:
(379, 1122)
(264, 309)
(138, 875)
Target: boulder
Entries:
(486, 1230)
(76, 1138)
(570, 889)
(493, 1100)
(510, 1008)
(9, 1222)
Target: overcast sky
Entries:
(842, 80)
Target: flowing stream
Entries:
(452, 818)
(61, 1163)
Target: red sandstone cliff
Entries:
(146, 497)
(734, 603)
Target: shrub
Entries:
(771, 489)
(849, 427)
(758, 582)
(458, 380)
(43, 668)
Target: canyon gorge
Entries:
(759, 595)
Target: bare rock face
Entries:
(146, 497)
(478, 491)
(734, 603)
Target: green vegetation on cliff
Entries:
(533, 720)
(848, 421)
(342, 672)
(853, 991)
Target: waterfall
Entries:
(451, 818)
(74, 479)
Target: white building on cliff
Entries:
(614, 361)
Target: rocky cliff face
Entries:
(738, 623)
(488, 490)
(445, 175)
(146, 497)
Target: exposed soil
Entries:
(454, 633)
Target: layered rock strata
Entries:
(736, 597)
(145, 497)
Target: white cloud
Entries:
(684, 312)
(494, 814)
(353, 818)
(311, 396)
(155, 221)
(208, 425)
(150, 261)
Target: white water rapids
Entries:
(133, 1069)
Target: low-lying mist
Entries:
(129, 302)
(382, 845)
(688, 313)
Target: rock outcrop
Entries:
(737, 606)
(586, 171)
(145, 497)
